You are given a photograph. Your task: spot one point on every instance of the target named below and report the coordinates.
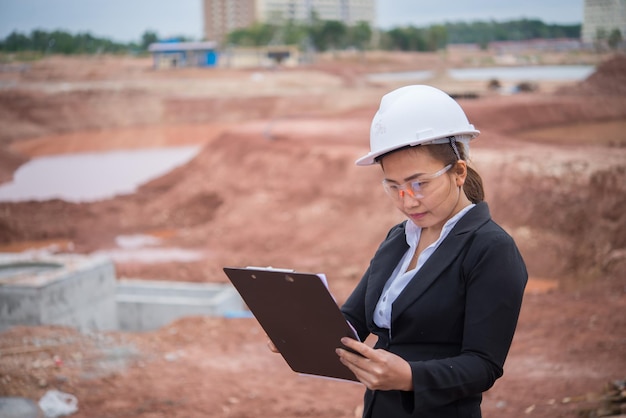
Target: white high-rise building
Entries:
(347, 11)
(603, 17)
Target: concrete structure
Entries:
(601, 17)
(183, 54)
(71, 290)
(15, 407)
(83, 292)
(144, 305)
(224, 16)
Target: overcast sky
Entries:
(127, 20)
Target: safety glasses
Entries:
(417, 188)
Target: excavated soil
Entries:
(275, 184)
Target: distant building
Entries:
(224, 16)
(264, 57)
(183, 54)
(349, 12)
(601, 17)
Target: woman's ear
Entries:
(460, 171)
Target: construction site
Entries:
(268, 179)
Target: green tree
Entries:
(294, 34)
(60, 42)
(483, 32)
(256, 35)
(407, 38)
(148, 37)
(359, 35)
(329, 34)
(600, 39)
(615, 39)
(436, 37)
(16, 42)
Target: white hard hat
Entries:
(416, 115)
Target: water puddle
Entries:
(143, 248)
(401, 76)
(137, 248)
(87, 177)
(532, 73)
(151, 255)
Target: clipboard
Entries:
(299, 315)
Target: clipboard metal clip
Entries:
(270, 268)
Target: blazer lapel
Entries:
(443, 256)
(382, 265)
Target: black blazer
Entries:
(454, 321)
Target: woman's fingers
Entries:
(361, 348)
(376, 369)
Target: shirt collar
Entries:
(413, 232)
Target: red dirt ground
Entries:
(275, 185)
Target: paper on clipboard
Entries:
(299, 315)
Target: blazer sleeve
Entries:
(495, 277)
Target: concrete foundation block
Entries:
(71, 290)
(144, 305)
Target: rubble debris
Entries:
(612, 401)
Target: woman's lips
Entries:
(417, 216)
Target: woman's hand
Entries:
(376, 369)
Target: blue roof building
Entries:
(184, 54)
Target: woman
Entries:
(444, 289)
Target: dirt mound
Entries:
(33, 113)
(577, 227)
(9, 162)
(609, 79)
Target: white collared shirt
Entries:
(400, 276)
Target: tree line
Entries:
(319, 35)
(61, 42)
(324, 35)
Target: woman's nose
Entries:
(409, 200)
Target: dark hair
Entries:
(447, 154)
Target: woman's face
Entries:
(438, 198)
